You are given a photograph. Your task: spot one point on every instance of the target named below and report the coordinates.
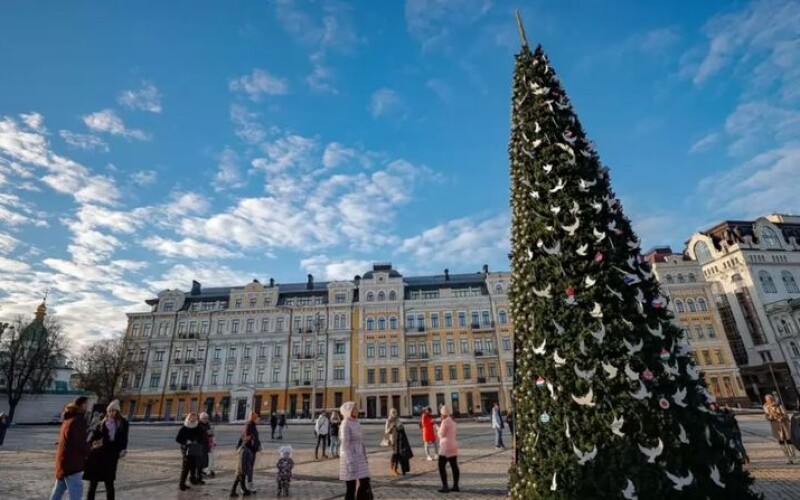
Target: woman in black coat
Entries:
(402, 450)
(109, 443)
(192, 439)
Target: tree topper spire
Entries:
(521, 28)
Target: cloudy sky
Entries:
(142, 147)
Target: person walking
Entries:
(192, 439)
(334, 434)
(353, 465)
(402, 453)
(109, 443)
(322, 428)
(244, 466)
(390, 431)
(510, 422)
(273, 422)
(211, 443)
(3, 426)
(429, 434)
(281, 425)
(71, 451)
(250, 437)
(779, 421)
(448, 450)
(497, 425)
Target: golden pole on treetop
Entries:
(521, 29)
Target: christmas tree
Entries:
(609, 402)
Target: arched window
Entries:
(344, 321)
(337, 321)
(690, 304)
(701, 304)
(786, 326)
(679, 306)
(789, 282)
(393, 322)
(503, 316)
(670, 279)
(769, 238)
(692, 279)
(370, 324)
(766, 282)
(392, 295)
(370, 296)
(381, 296)
(795, 350)
(381, 323)
(701, 252)
(680, 278)
(498, 289)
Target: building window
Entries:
(707, 358)
(337, 323)
(251, 325)
(464, 346)
(423, 349)
(503, 317)
(467, 372)
(278, 352)
(229, 378)
(789, 282)
(792, 346)
(485, 318)
(338, 347)
(370, 350)
(395, 350)
(320, 373)
(506, 343)
(276, 374)
(232, 353)
(381, 296)
(670, 280)
(159, 356)
(691, 305)
(498, 289)
(434, 320)
(769, 238)
(392, 295)
(395, 375)
(710, 331)
(235, 326)
(510, 369)
(279, 325)
(370, 296)
(252, 302)
(155, 380)
(698, 331)
(679, 306)
(680, 279)
(412, 349)
(462, 318)
(437, 373)
(382, 375)
(382, 350)
(475, 318)
(370, 324)
(340, 298)
(692, 279)
(381, 323)
(702, 252)
(701, 304)
(264, 325)
(420, 321)
(448, 320)
(338, 373)
(238, 303)
(720, 356)
(410, 322)
(437, 347)
(453, 374)
(766, 282)
(393, 323)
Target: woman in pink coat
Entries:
(448, 450)
(353, 466)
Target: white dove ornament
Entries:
(629, 493)
(652, 453)
(642, 393)
(584, 457)
(610, 369)
(596, 311)
(680, 482)
(585, 400)
(714, 475)
(616, 426)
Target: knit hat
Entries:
(203, 417)
(285, 451)
(444, 411)
(114, 405)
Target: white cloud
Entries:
(247, 128)
(657, 41)
(285, 153)
(86, 142)
(705, 143)
(209, 274)
(144, 177)
(17, 212)
(466, 241)
(10, 265)
(258, 84)
(431, 22)
(34, 121)
(337, 155)
(228, 175)
(187, 247)
(188, 203)
(7, 243)
(323, 268)
(108, 121)
(146, 98)
(441, 89)
(755, 125)
(333, 30)
(320, 78)
(386, 102)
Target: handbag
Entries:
(384, 443)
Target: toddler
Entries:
(285, 465)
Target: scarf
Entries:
(111, 425)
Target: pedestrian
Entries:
(71, 451)
(334, 434)
(448, 450)
(390, 430)
(779, 421)
(192, 439)
(109, 443)
(428, 434)
(322, 429)
(353, 465)
(3, 426)
(729, 421)
(273, 422)
(244, 467)
(402, 452)
(211, 443)
(285, 465)
(510, 422)
(250, 437)
(281, 425)
(497, 425)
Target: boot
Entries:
(183, 487)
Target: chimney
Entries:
(256, 281)
(271, 282)
(310, 284)
(447, 275)
(196, 287)
(357, 279)
(486, 269)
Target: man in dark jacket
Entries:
(71, 451)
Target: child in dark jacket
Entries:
(244, 464)
(285, 465)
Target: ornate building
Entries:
(754, 266)
(383, 340)
(696, 314)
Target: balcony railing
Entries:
(482, 326)
(418, 356)
(181, 387)
(190, 335)
(485, 352)
(481, 380)
(418, 383)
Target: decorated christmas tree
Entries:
(609, 402)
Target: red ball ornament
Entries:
(570, 292)
(598, 257)
(663, 403)
(647, 375)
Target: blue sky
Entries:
(143, 146)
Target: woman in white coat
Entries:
(353, 466)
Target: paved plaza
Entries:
(152, 466)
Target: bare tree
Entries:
(102, 365)
(30, 353)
